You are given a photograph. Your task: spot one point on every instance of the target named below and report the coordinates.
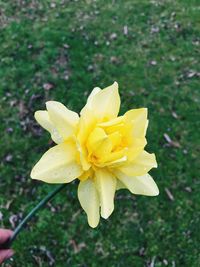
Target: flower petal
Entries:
(112, 122)
(87, 123)
(96, 137)
(87, 119)
(89, 200)
(83, 156)
(141, 165)
(120, 185)
(138, 117)
(58, 165)
(90, 99)
(136, 148)
(116, 139)
(103, 149)
(42, 117)
(106, 186)
(113, 164)
(139, 185)
(64, 119)
(106, 103)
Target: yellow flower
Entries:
(103, 151)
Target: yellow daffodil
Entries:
(104, 151)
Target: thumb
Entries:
(4, 235)
(5, 254)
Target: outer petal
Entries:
(89, 200)
(90, 99)
(136, 148)
(139, 185)
(141, 165)
(42, 117)
(106, 186)
(105, 103)
(58, 165)
(64, 119)
(120, 185)
(138, 117)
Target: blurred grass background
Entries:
(59, 50)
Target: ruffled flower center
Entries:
(107, 144)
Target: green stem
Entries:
(31, 214)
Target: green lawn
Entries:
(60, 50)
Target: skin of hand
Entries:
(5, 253)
